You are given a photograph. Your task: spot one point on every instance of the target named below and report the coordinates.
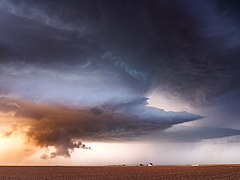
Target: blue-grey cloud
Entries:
(65, 127)
(107, 56)
(193, 54)
(183, 133)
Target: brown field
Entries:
(229, 172)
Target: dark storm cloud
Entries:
(65, 127)
(183, 133)
(106, 56)
(37, 43)
(189, 48)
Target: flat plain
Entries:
(219, 172)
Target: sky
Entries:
(89, 82)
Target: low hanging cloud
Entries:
(65, 127)
(62, 128)
(61, 109)
(181, 133)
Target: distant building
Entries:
(195, 164)
(150, 164)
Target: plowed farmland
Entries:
(228, 172)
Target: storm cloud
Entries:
(74, 71)
(65, 127)
(172, 43)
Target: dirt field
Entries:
(229, 172)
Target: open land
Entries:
(228, 172)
